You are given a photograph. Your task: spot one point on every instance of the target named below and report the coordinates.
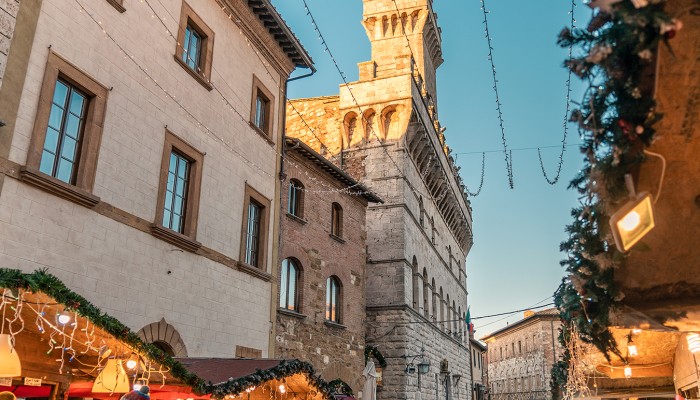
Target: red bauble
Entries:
(670, 34)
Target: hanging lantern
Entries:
(112, 378)
(631, 347)
(628, 371)
(9, 360)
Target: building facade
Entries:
(521, 355)
(8, 18)
(384, 131)
(122, 172)
(321, 308)
(479, 370)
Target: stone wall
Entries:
(521, 358)
(107, 253)
(335, 350)
(8, 17)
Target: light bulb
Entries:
(282, 389)
(131, 364)
(630, 221)
(137, 386)
(63, 318)
(632, 350)
(628, 371)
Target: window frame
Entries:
(173, 143)
(296, 188)
(79, 191)
(285, 280)
(336, 220)
(259, 90)
(255, 196)
(333, 279)
(189, 18)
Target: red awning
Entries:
(158, 392)
(28, 391)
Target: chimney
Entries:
(528, 313)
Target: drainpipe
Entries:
(274, 289)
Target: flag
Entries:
(468, 321)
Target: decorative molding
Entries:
(332, 324)
(297, 219)
(337, 238)
(172, 237)
(290, 313)
(199, 78)
(59, 188)
(251, 270)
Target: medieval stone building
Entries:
(521, 355)
(384, 131)
(321, 306)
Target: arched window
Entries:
(426, 293)
(370, 125)
(337, 220)
(434, 307)
(333, 299)
(350, 127)
(422, 212)
(165, 347)
(289, 284)
(389, 121)
(442, 310)
(295, 202)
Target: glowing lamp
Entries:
(282, 389)
(131, 364)
(628, 371)
(634, 220)
(112, 378)
(693, 342)
(63, 318)
(9, 360)
(137, 386)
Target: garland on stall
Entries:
(340, 387)
(616, 121)
(373, 351)
(42, 282)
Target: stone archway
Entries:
(165, 337)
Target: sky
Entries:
(514, 263)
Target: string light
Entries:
(508, 155)
(483, 169)
(565, 124)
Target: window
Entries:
(336, 220)
(426, 293)
(289, 283)
(254, 230)
(195, 44)
(261, 109)
(178, 193)
(474, 357)
(333, 299)
(520, 347)
(421, 208)
(295, 202)
(67, 131)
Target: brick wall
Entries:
(8, 16)
(336, 351)
(123, 269)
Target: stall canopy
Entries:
(67, 344)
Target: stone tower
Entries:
(384, 131)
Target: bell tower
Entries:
(388, 23)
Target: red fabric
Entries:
(28, 391)
(158, 392)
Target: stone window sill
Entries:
(117, 4)
(262, 134)
(253, 271)
(337, 238)
(335, 325)
(297, 219)
(58, 188)
(176, 238)
(291, 313)
(199, 78)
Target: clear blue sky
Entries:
(515, 259)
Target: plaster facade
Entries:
(385, 132)
(102, 240)
(304, 331)
(521, 356)
(479, 370)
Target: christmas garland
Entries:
(340, 387)
(373, 351)
(616, 120)
(43, 282)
